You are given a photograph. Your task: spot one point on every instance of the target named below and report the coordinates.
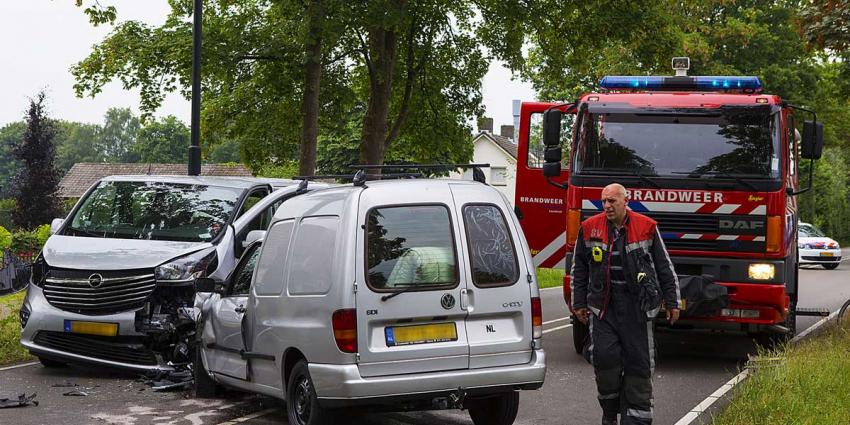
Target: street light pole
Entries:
(195, 147)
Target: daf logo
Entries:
(448, 301)
(95, 280)
(741, 224)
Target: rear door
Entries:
(498, 298)
(541, 204)
(409, 314)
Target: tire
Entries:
(581, 333)
(205, 386)
(302, 405)
(771, 340)
(51, 364)
(498, 410)
(830, 266)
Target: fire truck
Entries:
(712, 159)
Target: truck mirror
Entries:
(552, 154)
(552, 169)
(205, 284)
(812, 143)
(552, 127)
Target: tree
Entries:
(163, 141)
(10, 136)
(826, 24)
(118, 137)
(77, 142)
(37, 182)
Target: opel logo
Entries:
(95, 280)
(448, 301)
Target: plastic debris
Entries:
(22, 400)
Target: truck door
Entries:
(541, 204)
(409, 312)
(498, 298)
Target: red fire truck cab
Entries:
(711, 159)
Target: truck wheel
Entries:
(52, 364)
(205, 387)
(302, 404)
(830, 266)
(581, 333)
(771, 340)
(498, 410)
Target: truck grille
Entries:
(117, 349)
(702, 232)
(78, 291)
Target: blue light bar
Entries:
(655, 83)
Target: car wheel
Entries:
(498, 410)
(205, 386)
(53, 364)
(830, 266)
(581, 333)
(302, 404)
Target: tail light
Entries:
(536, 318)
(774, 233)
(573, 224)
(345, 330)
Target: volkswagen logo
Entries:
(95, 280)
(448, 301)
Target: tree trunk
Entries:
(383, 52)
(312, 79)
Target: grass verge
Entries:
(802, 384)
(548, 278)
(11, 350)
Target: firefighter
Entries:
(621, 276)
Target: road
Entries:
(689, 368)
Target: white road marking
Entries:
(691, 416)
(18, 365)
(556, 320)
(251, 416)
(557, 328)
(561, 287)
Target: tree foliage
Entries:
(163, 141)
(37, 182)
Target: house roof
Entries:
(84, 174)
(502, 142)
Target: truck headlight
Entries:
(189, 267)
(761, 271)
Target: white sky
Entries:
(42, 39)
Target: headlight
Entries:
(187, 268)
(761, 271)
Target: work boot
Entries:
(609, 420)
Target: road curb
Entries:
(698, 412)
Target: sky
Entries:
(42, 39)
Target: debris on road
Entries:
(66, 384)
(76, 393)
(21, 401)
(179, 379)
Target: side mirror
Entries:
(55, 225)
(253, 236)
(552, 169)
(206, 284)
(552, 128)
(812, 143)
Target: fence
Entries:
(14, 272)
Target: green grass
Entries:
(11, 350)
(805, 384)
(548, 278)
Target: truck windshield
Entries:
(154, 210)
(729, 143)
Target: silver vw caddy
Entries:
(397, 295)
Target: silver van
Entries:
(398, 295)
(113, 284)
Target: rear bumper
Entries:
(338, 385)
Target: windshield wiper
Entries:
(408, 287)
(722, 174)
(87, 232)
(639, 175)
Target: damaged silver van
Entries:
(113, 284)
(396, 295)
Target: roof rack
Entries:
(477, 174)
(360, 177)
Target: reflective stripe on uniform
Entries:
(639, 244)
(608, 396)
(651, 345)
(643, 414)
(672, 269)
(590, 349)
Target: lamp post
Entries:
(195, 147)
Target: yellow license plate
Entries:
(420, 334)
(91, 328)
(826, 254)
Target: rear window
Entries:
(491, 249)
(410, 246)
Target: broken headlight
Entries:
(189, 267)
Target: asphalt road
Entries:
(689, 368)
